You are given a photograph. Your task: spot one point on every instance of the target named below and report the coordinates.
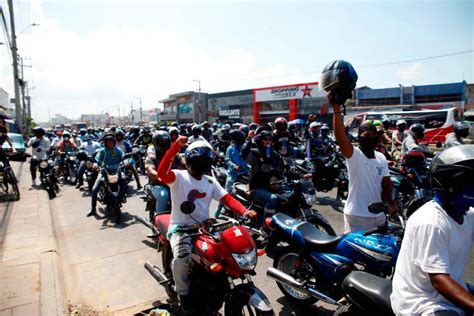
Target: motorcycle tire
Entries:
(291, 294)
(72, 174)
(50, 189)
(239, 306)
(14, 184)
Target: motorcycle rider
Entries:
(461, 131)
(161, 192)
(237, 166)
(196, 134)
(145, 138)
(368, 170)
(191, 188)
(416, 134)
(313, 142)
(89, 146)
(207, 132)
(399, 135)
(281, 137)
(5, 138)
(436, 243)
(111, 157)
(65, 146)
(40, 145)
(127, 148)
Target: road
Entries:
(102, 263)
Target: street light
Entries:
(32, 24)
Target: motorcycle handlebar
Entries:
(380, 229)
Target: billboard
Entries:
(298, 91)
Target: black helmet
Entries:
(173, 130)
(461, 129)
(197, 131)
(199, 156)
(66, 134)
(386, 123)
(253, 126)
(245, 129)
(38, 131)
(175, 124)
(417, 130)
(262, 128)
(452, 169)
(264, 134)
(119, 132)
(339, 78)
(325, 130)
(161, 141)
(238, 136)
(82, 131)
(111, 137)
(281, 124)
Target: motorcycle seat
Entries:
(305, 233)
(242, 190)
(162, 222)
(370, 292)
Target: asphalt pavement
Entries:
(102, 263)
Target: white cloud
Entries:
(410, 74)
(77, 73)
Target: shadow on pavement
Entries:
(149, 243)
(291, 309)
(335, 204)
(109, 219)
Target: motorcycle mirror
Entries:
(439, 144)
(187, 207)
(377, 208)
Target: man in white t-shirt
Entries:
(437, 240)
(191, 189)
(369, 178)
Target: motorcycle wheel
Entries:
(72, 174)
(285, 262)
(239, 306)
(50, 189)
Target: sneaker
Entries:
(92, 212)
(33, 182)
(78, 185)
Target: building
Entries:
(426, 96)
(230, 107)
(95, 119)
(4, 100)
(184, 107)
(59, 119)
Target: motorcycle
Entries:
(222, 253)
(91, 173)
(314, 264)
(48, 177)
(411, 182)
(110, 193)
(70, 166)
(141, 152)
(151, 202)
(295, 199)
(329, 172)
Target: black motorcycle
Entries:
(69, 166)
(111, 191)
(329, 172)
(411, 182)
(296, 199)
(91, 173)
(48, 177)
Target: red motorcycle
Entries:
(223, 253)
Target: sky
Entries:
(96, 56)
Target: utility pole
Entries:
(131, 114)
(19, 123)
(141, 111)
(198, 101)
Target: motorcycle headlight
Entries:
(89, 164)
(43, 164)
(246, 261)
(310, 198)
(113, 178)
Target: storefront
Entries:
(290, 101)
(230, 107)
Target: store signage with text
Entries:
(229, 112)
(287, 92)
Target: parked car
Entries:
(19, 144)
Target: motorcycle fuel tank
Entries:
(376, 251)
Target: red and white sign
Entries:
(298, 91)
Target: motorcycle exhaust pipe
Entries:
(282, 277)
(156, 273)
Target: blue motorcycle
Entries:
(314, 264)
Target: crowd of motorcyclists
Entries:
(181, 161)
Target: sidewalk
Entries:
(30, 275)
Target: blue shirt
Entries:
(110, 157)
(233, 158)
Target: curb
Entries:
(52, 290)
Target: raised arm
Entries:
(165, 174)
(339, 131)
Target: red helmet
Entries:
(59, 133)
(281, 123)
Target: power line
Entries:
(416, 59)
(5, 31)
(357, 66)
